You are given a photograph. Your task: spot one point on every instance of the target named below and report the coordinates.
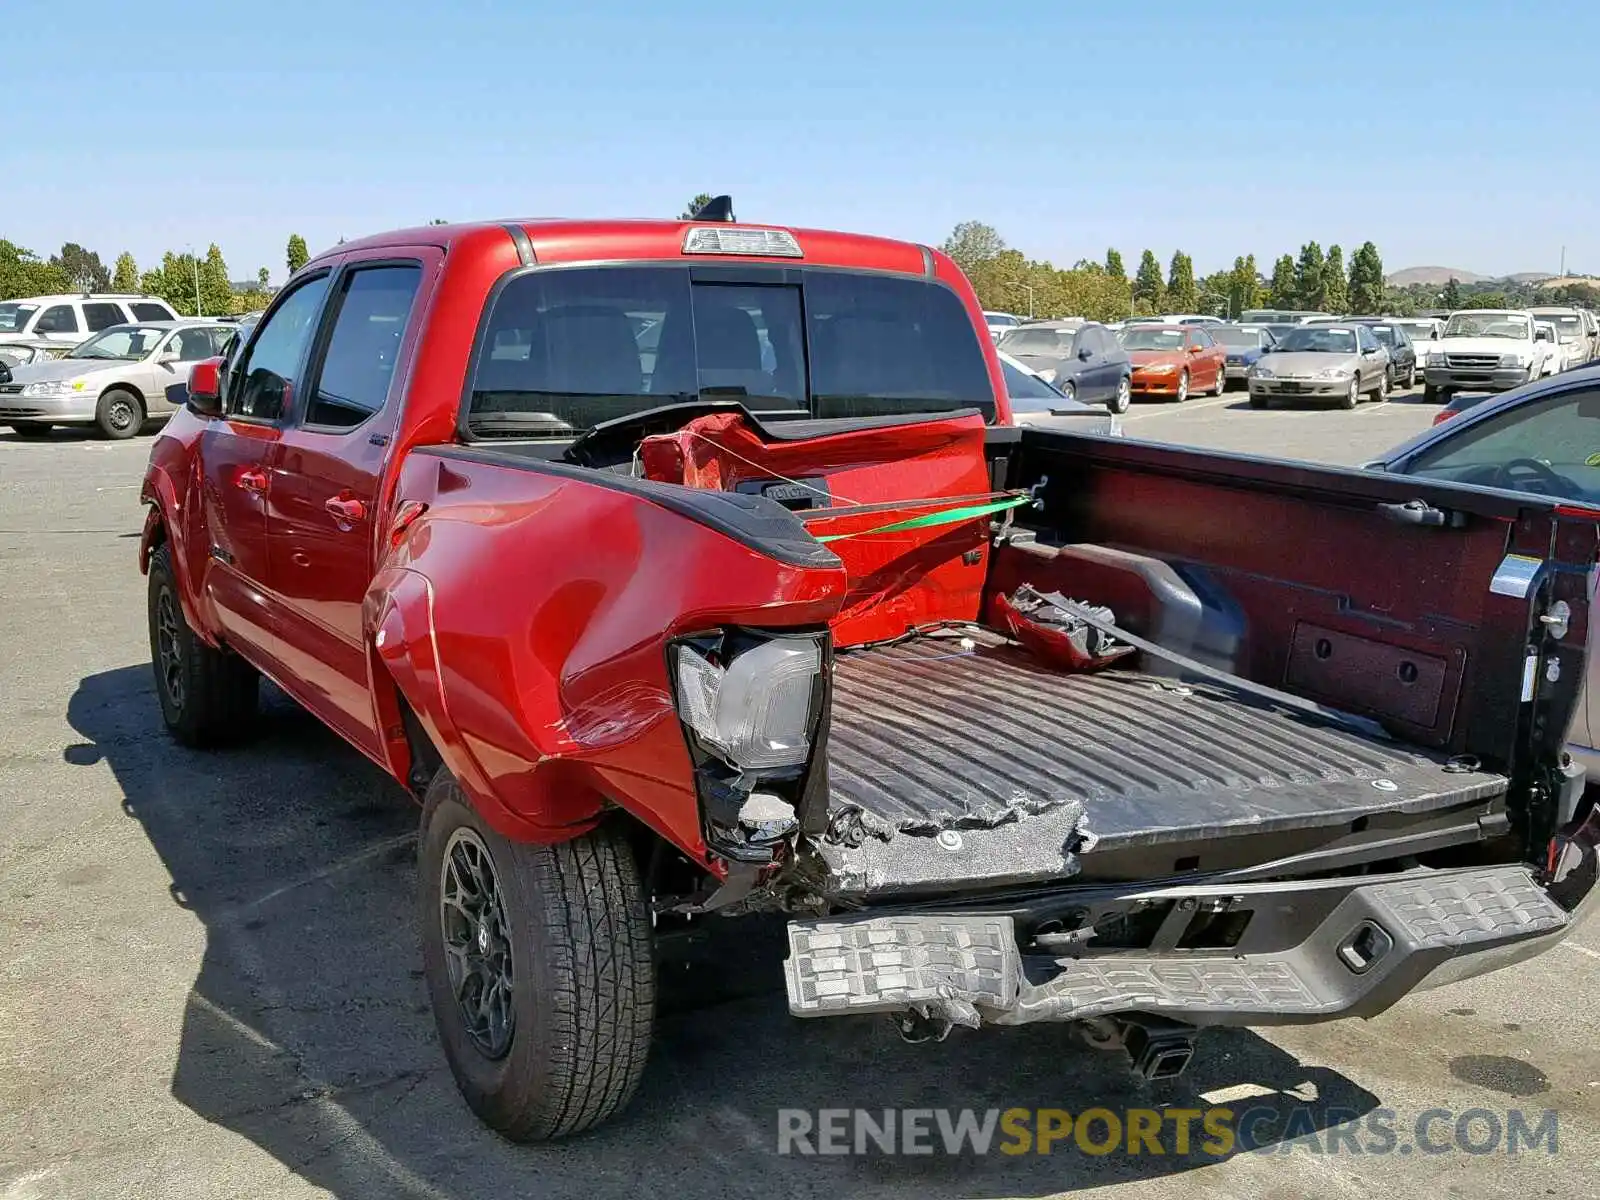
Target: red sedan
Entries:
(1175, 360)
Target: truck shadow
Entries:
(308, 1029)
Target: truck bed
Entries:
(1029, 773)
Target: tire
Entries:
(1183, 386)
(1257, 400)
(573, 929)
(1222, 381)
(208, 696)
(32, 433)
(1352, 394)
(1068, 389)
(1122, 398)
(1381, 392)
(119, 415)
(1430, 394)
(1411, 377)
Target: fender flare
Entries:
(404, 647)
(161, 525)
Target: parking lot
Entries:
(211, 985)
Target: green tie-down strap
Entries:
(949, 516)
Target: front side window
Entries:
(565, 350)
(101, 315)
(1549, 447)
(272, 363)
(374, 309)
(192, 345)
(58, 318)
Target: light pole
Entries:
(1025, 287)
(195, 260)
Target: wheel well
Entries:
(131, 390)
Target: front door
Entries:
(324, 523)
(237, 454)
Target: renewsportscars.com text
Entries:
(1213, 1132)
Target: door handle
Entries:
(347, 510)
(252, 480)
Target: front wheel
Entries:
(1430, 394)
(1124, 395)
(1068, 389)
(119, 415)
(1411, 377)
(539, 967)
(208, 696)
(1257, 400)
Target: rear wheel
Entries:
(208, 696)
(120, 414)
(1124, 395)
(539, 967)
(1352, 394)
(1183, 386)
(31, 432)
(1381, 392)
(1222, 381)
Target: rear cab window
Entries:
(145, 310)
(565, 349)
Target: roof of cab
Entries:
(561, 240)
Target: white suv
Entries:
(70, 319)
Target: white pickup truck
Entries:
(1489, 350)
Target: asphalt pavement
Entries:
(210, 979)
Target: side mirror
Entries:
(1086, 354)
(1196, 349)
(169, 355)
(205, 387)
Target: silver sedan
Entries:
(116, 381)
(1322, 362)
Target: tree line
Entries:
(1006, 279)
(187, 282)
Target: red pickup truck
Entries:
(682, 568)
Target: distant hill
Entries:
(1434, 276)
(1528, 277)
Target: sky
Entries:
(1461, 133)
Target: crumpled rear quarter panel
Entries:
(552, 600)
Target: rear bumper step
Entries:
(1361, 945)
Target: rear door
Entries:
(323, 526)
(236, 454)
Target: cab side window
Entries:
(374, 309)
(264, 381)
(58, 318)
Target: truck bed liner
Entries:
(928, 736)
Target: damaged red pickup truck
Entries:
(684, 568)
